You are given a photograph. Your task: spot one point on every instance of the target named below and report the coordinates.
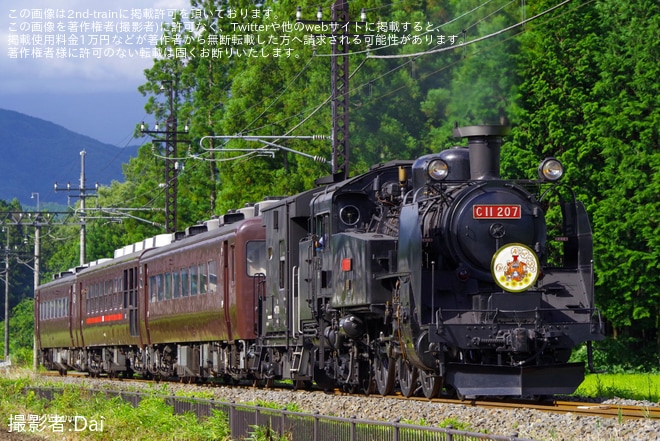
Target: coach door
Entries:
(131, 299)
(77, 313)
(227, 257)
(143, 306)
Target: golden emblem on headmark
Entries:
(515, 267)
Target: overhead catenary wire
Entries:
(327, 100)
(459, 17)
(476, 40)
(370, 81)
(371, 55)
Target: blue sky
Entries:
(95, 96)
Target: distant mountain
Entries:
(35, 154)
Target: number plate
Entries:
(496, 211)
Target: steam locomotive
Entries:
(424, 277)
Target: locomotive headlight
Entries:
(438, 170)
(551, 170)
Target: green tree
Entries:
(625, 125)
(17, 254)
(590, 98)
(21, 332)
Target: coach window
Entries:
(168, 286)
(152, 288)
(120, 292)
(159, 287)
(107, 295)
(213, 277)
(203, 278)
(117, 293)
(193, 281)
(113, 294)
(255, 251)
(185, 283)
(176, 284)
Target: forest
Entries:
(577, 80)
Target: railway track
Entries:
(621, 412)
(606, 410)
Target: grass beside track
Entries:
(154, 419)
(77, 415)
(644, 387)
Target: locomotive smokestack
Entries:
(484, 143)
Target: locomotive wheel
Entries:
(407, 377)
(302, 385)
(269, 382)
(431, 384)
(367, 383)
(384, 374)
(452, 392)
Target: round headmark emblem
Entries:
(515, 267)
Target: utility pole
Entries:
(83, 195)
(340, 39)
(6, 230)
(36, 272)
(339, 73)
(171, 163)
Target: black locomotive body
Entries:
(428, 276)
